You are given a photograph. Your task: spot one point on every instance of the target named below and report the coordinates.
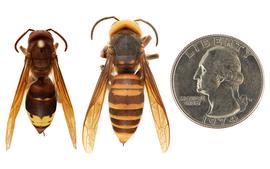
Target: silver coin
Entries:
(217, 81)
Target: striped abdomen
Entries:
(126, 99)
(41, 103)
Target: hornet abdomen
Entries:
(41, 103)
(126, 100)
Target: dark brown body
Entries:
(126, 97)
(41, 97)
(40, 63)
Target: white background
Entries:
(246, 145)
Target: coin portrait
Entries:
(217, 81)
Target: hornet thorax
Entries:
(126, 45)
(41, 50)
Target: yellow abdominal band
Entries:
(40, 122)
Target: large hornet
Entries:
(125, 74)
(42, 93)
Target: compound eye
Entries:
(40, 43)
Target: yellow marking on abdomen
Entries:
(127, 76)
(123, 137)
(43, 99)
(125, 126)
(126, 106)
(127, 86)
(125, 117)
(126, 92)
(40, 122)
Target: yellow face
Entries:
(129, 24)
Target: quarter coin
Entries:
(217, 81)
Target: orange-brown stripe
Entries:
(123, 106)
(125, 122)
(127, 86)
(123, 137)
(126, 92)
(117, 112)
(119, 130)
(126, 76)
(124, 127)
(126, 99)
(125, 117)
